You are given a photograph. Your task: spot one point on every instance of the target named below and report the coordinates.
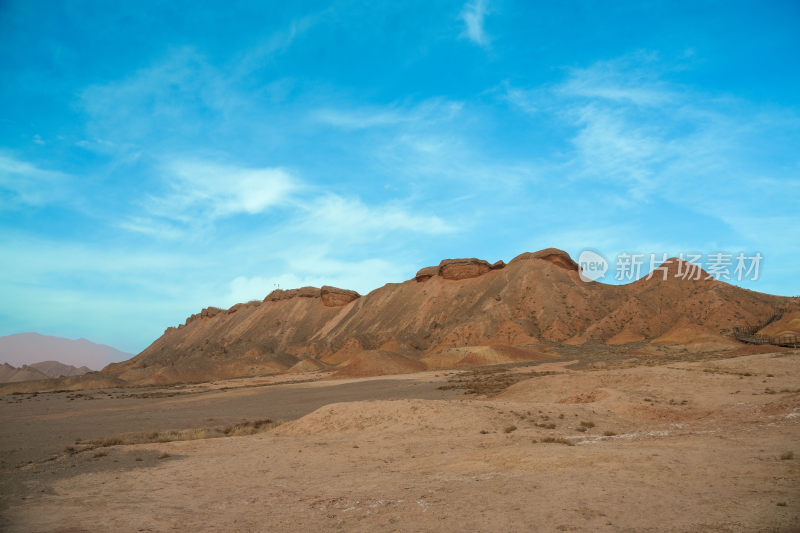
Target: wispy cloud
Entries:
(362, 117)
(639, 139)
(25, 184)
(633, 79)
(473, 16)
(350, 218)
(169, 97)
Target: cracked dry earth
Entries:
(701, 446)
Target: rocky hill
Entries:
(11, 374)
(461, 312)
(33, 348)
(39, 371)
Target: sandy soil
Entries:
(40, 427)
(695, 446)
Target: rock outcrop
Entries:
(553, 255)
(335, 297)
(456, 269)
(330, 296)
(302, 292)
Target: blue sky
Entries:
(161, 157)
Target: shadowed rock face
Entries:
(462, 303)
(427, 273)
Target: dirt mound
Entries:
(308, 365)
(377, 363)
(479, 356)
(685, 333)
(626, 336)
(388, 417)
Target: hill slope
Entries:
(462, 303)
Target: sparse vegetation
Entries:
(509, 429)
(556, 440)
(587, 424)
(609, 434)
(489, 380)
(787, 456)
(235, 430)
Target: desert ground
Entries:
(703, 445)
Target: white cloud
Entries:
(201, 192)
(473, 16)
(224, 190)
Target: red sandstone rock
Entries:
(552, 255)
(456, 269)
(335, 297)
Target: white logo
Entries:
(593, 266)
